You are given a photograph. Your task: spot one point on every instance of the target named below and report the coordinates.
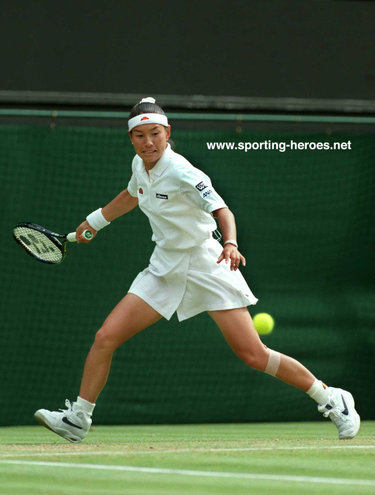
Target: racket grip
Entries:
(72, 237)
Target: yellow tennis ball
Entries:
(263, 323)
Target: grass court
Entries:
(233, 459)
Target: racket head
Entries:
(40, 243)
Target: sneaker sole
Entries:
(42, 420)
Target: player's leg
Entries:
(238, 330)
(129, 317)
(337, 404)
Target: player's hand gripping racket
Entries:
(43, 244)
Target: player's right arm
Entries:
(121, 204)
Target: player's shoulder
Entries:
(178, 161)
(137, 164)
(183, 168)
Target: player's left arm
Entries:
(228, 229)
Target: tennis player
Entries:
(189, 272)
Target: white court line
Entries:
(189, 472)
(183, 451)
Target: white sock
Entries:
(85, 406)
(319, 392)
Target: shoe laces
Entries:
(68, 405)
(333, 412)
(71, 412)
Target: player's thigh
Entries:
(238, 330)
(129, 317)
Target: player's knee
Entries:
(256, 360)
(104, 340)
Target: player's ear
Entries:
(130, 136)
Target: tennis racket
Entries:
(43, 244)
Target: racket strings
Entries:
(38, 244)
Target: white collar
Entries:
(162, 163)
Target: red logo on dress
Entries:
(140, 190)
(144, 118)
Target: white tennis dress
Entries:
(183, 275)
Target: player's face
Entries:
(150, 141)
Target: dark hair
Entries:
(145, 107)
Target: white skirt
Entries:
(191, 282)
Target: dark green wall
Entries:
(305, 225)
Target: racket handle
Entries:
(72, 237)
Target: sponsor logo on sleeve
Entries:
(201, 186)
(206, 193)
(162, 196)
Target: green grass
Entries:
(233, 459)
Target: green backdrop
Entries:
(305, 225)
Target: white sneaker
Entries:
(72, 424)
(340, 409)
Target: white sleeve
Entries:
(199, 187)
(132, 186)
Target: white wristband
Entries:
(96, 220)
(231, 241)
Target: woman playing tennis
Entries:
(189, 272)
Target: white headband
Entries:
(147, 118)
